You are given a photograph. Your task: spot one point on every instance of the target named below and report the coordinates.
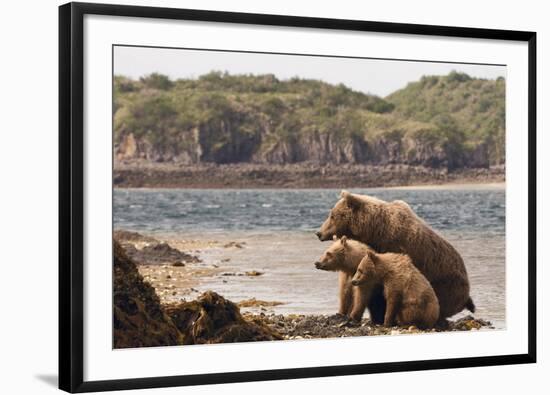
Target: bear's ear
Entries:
(351, 200)
(344, 240)
(372, 255)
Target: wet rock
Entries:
(469, 323)
(234, 244)
(159, 254)
(146, 250)
(125, 236)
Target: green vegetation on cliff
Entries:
(468, 109)
(452, 121)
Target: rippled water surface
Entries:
(278, 226)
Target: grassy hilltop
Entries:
(451, 122)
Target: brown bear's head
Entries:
(333, 259)
(340, 219)
(365, 270)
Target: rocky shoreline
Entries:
(145, 174)
(156, 304)
(295, 327)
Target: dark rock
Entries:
(160, 253)
(235, 244)
(153, 252)
(126, 236)
(468, 323)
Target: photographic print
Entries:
(284, 197)
(253, 197)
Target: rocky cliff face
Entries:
(311, 148)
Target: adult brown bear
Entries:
(394, 227)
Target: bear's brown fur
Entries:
(394, 227)
(344, 257)
(410, 299)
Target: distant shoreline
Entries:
(300, 176)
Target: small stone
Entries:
(253, 273)
(234, 244)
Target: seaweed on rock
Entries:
(138, 319)
(213, 319)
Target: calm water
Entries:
(278, 226)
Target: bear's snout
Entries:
(318, 265)
(318, 234)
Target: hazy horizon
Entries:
(374, 76)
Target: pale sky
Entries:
(380, 77)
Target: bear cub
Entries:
(344, 257)
(410, 299)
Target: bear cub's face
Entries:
(333, 258)
(365, 271)
(337, 223)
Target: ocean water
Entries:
(278, 228)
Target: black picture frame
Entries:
(71, 204)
